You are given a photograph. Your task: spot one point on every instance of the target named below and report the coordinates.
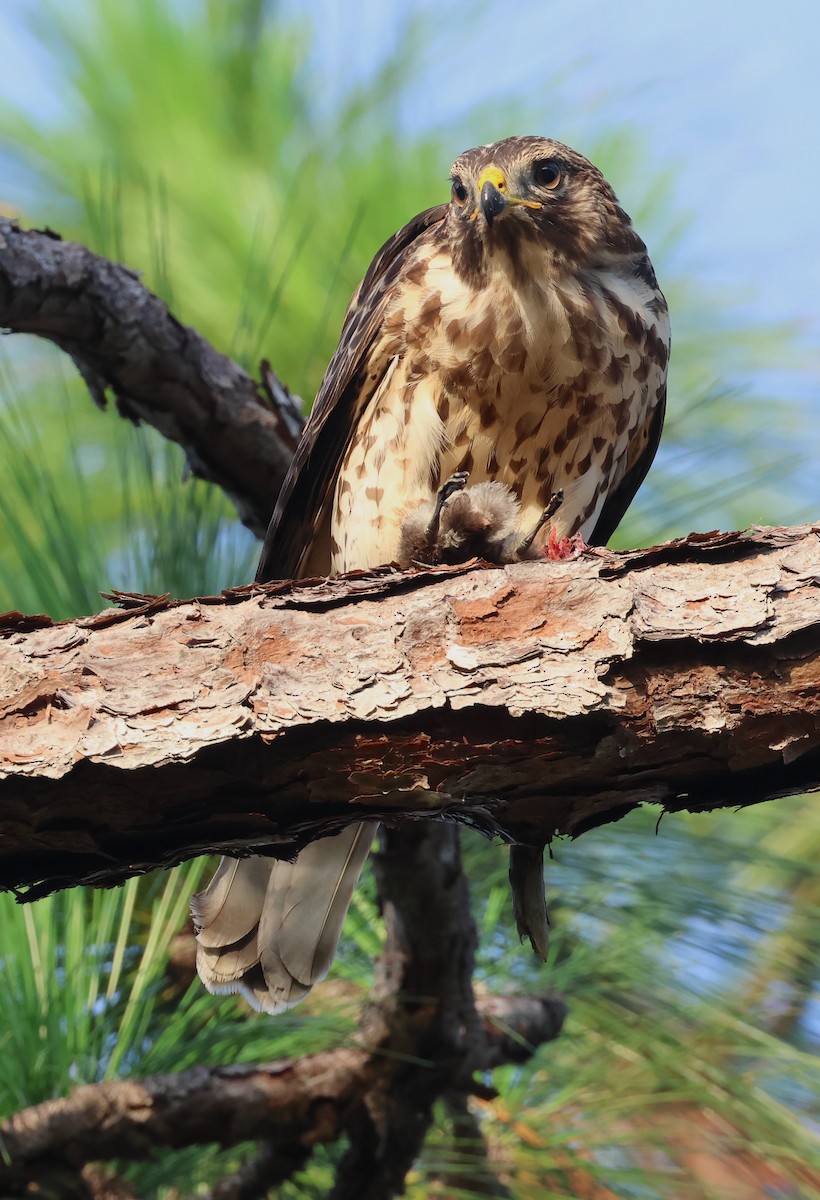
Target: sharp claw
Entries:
(555, 502)
(455, 483)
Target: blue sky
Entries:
(724, 94)
(727, 95)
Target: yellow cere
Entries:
(497, 177)
(493, 175)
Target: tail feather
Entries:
(269, 929)
(529, 897)
(268, 996)
(274, 999)
(229, 908)
(225, 967)
(306, 905)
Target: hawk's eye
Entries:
(459, 192)
(547, 173)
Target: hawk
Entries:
(516, 335)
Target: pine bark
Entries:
(527, 701)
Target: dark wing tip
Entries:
(312, 474)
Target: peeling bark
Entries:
(236, 433)
(529, 700)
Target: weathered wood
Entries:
(236, 433)
(532, 699)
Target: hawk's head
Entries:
(534, 190)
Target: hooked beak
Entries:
(494, 195)
(493, 192)
(493, 201)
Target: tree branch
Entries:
(268, 1167)
(423, 1011)
(527, 700)
(289, 1104)
(235, 433)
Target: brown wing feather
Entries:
(620, 499)
(308, 486)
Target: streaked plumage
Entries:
(518, 334)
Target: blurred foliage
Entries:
(81, 515)
(192, 146)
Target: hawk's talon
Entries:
(456, 483)
(523, 548)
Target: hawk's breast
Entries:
(540, 382)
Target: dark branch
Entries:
(469, 1172)
(235, 433)
(424, 1018)
(286, 1104)
(271, 1165)
(423, 1013)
